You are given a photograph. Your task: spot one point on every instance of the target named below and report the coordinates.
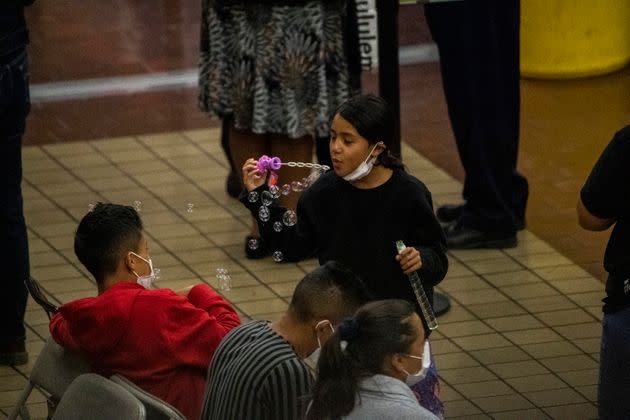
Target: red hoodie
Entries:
(161, 341)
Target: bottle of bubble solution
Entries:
(421, 296)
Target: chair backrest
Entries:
(56, 368)
(91, 396)
(33, 288)
(156, 408)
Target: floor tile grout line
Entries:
(511, 341)
(533, 358)
(205, 193)
(127, 174)
(534, 315)
(98, 193)
(482, 276)
(177, 213)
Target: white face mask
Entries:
(414, 378)
(311, 359)
(145, 281)
(364, 168)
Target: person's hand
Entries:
(409, 259)
(252, 179)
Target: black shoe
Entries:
(460, 237)
(233, 185)
(441, 304)
(255, 248)
(13, 353)
(449, 213)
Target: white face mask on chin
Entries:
(364, 168)
(145, 281)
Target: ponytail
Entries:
(337, 382)
(356, 351)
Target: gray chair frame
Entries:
(92, 396)
(157, 409)
(53, 372)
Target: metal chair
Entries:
(54, 370)
(39, 297)
(156, 408)
(91, 396)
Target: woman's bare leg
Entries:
(244, 145)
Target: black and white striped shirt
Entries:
(256, 374)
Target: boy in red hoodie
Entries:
(161, 340)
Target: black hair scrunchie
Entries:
(349, 329)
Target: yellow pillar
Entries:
(563, 39)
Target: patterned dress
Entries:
(273, 69)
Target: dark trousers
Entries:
(14, 107)
(478, 43)
(614, 370)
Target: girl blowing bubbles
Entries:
(355, 213)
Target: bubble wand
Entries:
(421, 296)
(273, 164)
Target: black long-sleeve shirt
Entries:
(606, 194)
(359, 228)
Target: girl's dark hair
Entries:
(378, 329)
(374, 121)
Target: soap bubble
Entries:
(157, 273)
(314, 176)
(289, 218)
(137, 205)
(277, 256)
(274, 191)
(286, 189)
(252, 197)
(297, 186)
(253, 244)
(264, 213)
(266, 198)
(277, 226)
(224, 280)
(90, 207)
(189, 207)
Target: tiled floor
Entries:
(521, 340)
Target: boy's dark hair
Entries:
(331, 292)
(104, 235)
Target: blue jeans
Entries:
(14, 107)
(614, 366)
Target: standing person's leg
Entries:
(244, 145)
(517, 190)
(353, 59)
(614, 370)
(449, 25)
(233, 184)
(489, 153)
(14, 107)
(491, 160)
